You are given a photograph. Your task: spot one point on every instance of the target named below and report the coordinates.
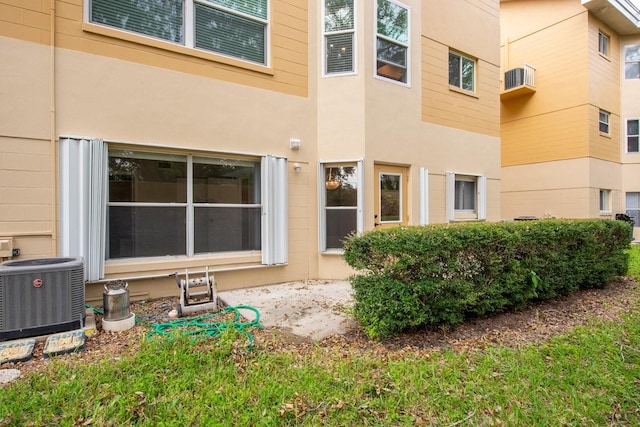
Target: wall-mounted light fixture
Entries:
(294, 143)
(297, 167)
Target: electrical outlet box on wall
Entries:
(6, 247)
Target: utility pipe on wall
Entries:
(52, 127)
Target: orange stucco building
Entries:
(570, 108)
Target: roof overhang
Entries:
(623, 16)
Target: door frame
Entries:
(381, 169)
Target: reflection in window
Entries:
(230, 27)
(465, 194)
(603, 43)
(339, 33)
(341, 203)
(226, 196)
(633, 207)
(392, 42)
(632, 62)
(633, 134)
(462, 72)
(603, 122)
(390, 197)
(151, 214)
(605, 201)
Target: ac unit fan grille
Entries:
(40, 301)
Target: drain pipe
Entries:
(52, 126)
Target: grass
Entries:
(589, 376)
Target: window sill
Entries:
(333, 252)
(605, 57)
(605, 135)
(183, 50)
(392, 81)
(463, 92)
(171, 264)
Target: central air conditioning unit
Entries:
(41, 296)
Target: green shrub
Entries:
(441, 274)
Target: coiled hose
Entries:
(208, 326)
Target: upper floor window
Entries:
(234, 28)
(392, 40)
(603, 43)
(462, 72)
(339, 36)
(604, 122)
(632, 62)
(633, 135)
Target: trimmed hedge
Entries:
(442, 274)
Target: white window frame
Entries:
(604, 119)
(636, 62)
(400, 201)
(633, 212)
(604, 42)
(475, 70)
(480, 211)
(189, 29)
(322, 228)
(406, 45)
(604, 201)
(326, 34)
(627, 135)
(424, 196)
(83, 192)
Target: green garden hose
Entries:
(207, 326)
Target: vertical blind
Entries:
(82, 174)
(83, 192)
(274, 211)
(424, 196)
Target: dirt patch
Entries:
(514, 329)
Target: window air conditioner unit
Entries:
(513, 78)
(41, 296)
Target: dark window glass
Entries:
(221, 229)
(137, 231)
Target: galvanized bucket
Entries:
(115, 300)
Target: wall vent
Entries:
(41, 296)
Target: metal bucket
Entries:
(115, 300)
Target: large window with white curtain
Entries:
(154, 203)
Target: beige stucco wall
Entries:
(127, 89)
(27, 171)
(423, 124)
(560, 189)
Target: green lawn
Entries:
(590, 376)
